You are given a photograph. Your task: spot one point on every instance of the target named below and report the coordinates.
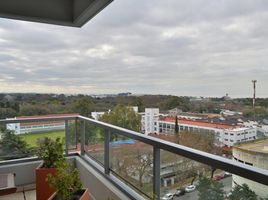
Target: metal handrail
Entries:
(246, 171)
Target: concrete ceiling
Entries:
(60, 12)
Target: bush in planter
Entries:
(50, 151)
(66, 181)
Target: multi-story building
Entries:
(149, 120)
(254, 154)
(31, 127)
(225, 134)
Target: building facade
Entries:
(225, 134)
(149, 120)
(254, 154)
(33, 127)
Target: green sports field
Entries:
(31, 138)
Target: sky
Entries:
(184, 48)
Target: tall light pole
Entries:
(254, 96)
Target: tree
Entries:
(124, 117)
(203, 141)
(29, 110)
(7, 113)
(83, 105)
(242, 193)
(209, 189)
(265, 198)
(176, 125)
(13, 146)
(132, 163)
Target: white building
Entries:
(230, 113)
(97, 115)
(263, 129)
(254, 154)
(225, 134)
(31, 127)
(149, 120)
(135, 108)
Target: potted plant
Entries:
(50, 152)
(66, 182)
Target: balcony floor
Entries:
(27, 195)
(26, 192)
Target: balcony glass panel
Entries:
(94, 142)
(132, 162)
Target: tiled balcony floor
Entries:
(27, 195)
(26, 192)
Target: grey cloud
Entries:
(196, 47)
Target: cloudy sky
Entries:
(186, 47)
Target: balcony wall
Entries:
(99, 187)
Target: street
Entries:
(227, 182)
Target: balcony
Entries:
(117, 163)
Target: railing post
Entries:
(66, 137)
(107, 137)
(82, 137)
(75, 133)
(156, 171)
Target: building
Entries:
(149, 120)
(230, 113)
(254, 154)
(33, 127)
(225, 134)
(97, 115)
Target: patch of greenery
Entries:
(32, 138)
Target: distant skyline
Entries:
(185, 48)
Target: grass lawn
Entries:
(31, 138)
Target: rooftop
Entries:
(199, 123)
(260, 146)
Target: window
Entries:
(232, 134)
(226, 133)
(231, 141)
(226, 139)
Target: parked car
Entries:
(227, 174)
(217, 177)
(167, 196)
(179, 192)
(190, 188)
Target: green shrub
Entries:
(66, 181)
(51, 152)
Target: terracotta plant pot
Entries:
(81, 195)
(43, 191)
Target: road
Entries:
(227, 182)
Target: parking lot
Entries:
(227, 182)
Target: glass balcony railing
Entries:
(148, 166)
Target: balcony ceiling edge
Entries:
(74, 13)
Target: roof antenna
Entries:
(254, 98)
